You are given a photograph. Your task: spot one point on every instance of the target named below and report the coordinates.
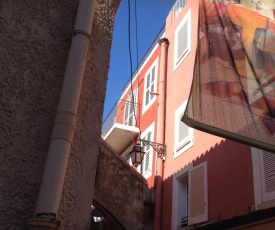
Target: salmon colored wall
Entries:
(178, 87)
(230, 180)
(230, 185)
(151, 113)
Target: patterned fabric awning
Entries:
(233, 90)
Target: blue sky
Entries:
(151, 16)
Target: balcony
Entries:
(178, 6)
(120, 127)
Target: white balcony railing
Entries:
(178, 6)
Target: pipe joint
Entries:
(163, 41)
(83, 32)
(64, 125)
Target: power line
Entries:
(130, 54)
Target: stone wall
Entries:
(120, 189)
(35, 39)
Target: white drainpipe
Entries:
(64, 125)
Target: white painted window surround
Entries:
(183, 135)
(263, 176)
(190, 196)
(146, 167)
(182, 46)
(150, 86)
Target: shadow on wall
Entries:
(229, 183)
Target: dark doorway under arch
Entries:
(102, 219)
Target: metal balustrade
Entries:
(178, 6)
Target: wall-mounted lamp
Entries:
(137, 154)
(159, 148)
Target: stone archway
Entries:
(107, 222)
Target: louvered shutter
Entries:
(183, 134)
(131, 121)
(147, 97)
(146, 159)
(267, 161)
(198, 202)
(126, 112)
(182, 40)
(152, 87)
(183, 131)
(129, 109)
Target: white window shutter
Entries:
(152, 87)
(148, 80)
(267, 161)
(198, 200)
(182, 45)
(146, 159)
(183, 131)
(184, 135)
(130, 109)
(182, 40)
(126, 111)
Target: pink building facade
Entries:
(204, 181)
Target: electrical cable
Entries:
(130, 54)
(131, 63)
(137, 59)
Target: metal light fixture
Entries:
(137, 154)
(159, 148)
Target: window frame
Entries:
(180, 146)
(146, 87)
(178, 208)
(178, 59)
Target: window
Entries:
(146, 166)
(263, 176)
(182, 40)
(130, 109)
(183, 134)
(150, 86)
(190, 204)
